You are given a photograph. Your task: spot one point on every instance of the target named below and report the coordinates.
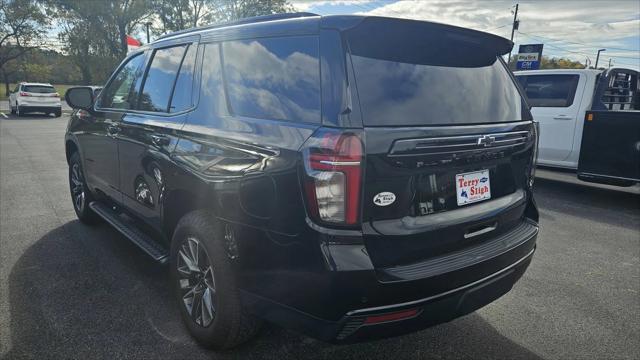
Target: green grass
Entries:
(61, 89)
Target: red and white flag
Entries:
(132, 44)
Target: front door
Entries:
(555, 104)
(100, 140)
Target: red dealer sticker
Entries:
(473, 187)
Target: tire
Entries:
(227, 324)
(13, 110)
(19, 113)
(80, 194)
(58, 113)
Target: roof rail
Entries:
(250, 20)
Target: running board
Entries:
(137, 236)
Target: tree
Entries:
(107, 20)
(229, 10)
(175, 15)
(22, 28)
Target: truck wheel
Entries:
(204, 284)
(80, 194)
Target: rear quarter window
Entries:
(274, 78)
(549, 90)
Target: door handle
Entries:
(562, 117)
(113, 129)
(160, 140)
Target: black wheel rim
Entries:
(196, 281)
(77, 187)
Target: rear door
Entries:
(555, 103)
(448, 141)
(148, 132)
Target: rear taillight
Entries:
(534, 155)
(22, 93)
(333, 174)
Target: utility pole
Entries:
(514, 27)
(598, 56)
(148, 37)
(609, 64)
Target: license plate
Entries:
(473, 187)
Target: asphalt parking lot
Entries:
(72, 291)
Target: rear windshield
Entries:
(429, 79)
(38, 89)
(549, 90)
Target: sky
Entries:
(571, 29)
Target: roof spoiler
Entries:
(418, 30)
(422, 42)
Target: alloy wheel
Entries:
(77, 187)
(196, 281)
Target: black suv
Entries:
(348, 177)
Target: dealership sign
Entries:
(529, 57)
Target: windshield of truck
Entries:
(407, 79)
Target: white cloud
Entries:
(302, 5)
(579, 28)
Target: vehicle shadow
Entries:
(28, 117)
(585, 201)
(86, 292)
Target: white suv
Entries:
(35, 97)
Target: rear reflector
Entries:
(395, 316)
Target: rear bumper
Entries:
(343, 301)
(435, 309)
(47, 108)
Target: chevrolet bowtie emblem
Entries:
(486, 140)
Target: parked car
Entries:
(35, 97)
(589, 121)
(348, 177)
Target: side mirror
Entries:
(80, 97)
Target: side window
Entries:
(549, 90)
(274, 78)
(184, 85)
(212, 98)
(117, 94)
(16, 89)
(160, 79)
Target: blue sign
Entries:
(529, 57)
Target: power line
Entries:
(495, 28)
(575, 52)
(585, 44)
